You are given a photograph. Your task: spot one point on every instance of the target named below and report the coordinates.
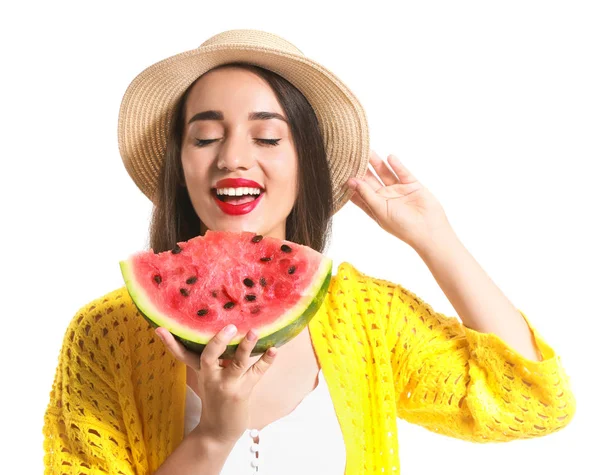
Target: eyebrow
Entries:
(218, 115)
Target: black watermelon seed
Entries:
(176, 249)
(184, 292)
(228, 305)
(263, 281)
(191, 280)
(291, 270)
(265, 259)
(248, 282)
(286, 248)
(255, 310)
(157, 279)
(250, 297)
(214, 293)
(257, 238)
(202, 312)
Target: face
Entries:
(225, 142)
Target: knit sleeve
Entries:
(86, 427)
(459, 382)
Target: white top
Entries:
(306, 441)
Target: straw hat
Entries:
(146, 109)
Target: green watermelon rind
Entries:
(277, 334)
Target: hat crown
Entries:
(252, 38)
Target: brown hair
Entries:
(309, 223)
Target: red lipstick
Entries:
(230, 208)
(237, 183)
(233, 209)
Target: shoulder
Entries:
(109, 308)
(105, 323)
(358, 296)
(351, 278)
(370, 300)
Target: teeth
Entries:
(238, 191)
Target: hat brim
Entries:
(147, 106)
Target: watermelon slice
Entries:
(194, 290)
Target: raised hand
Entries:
(398, 202)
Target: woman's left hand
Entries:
(398, 202)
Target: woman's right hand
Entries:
(224, 391)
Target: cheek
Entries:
(292, 174)
(194, 170)
(284, 175)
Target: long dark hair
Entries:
(309, 223)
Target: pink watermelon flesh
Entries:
(220, 278)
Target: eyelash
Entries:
(267, 142)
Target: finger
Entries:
(372, 180)
(216, 346)
(369, 196)
(258, 369)
(241, 360)
(385, 173)
(404, 175)
(177, 349)
(358, 201)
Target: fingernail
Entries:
(271, 351)
(251, 335)
(229, 330)
(159, 335)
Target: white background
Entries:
(493, 105)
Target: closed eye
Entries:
(268, 142)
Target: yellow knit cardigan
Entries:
(118, 398)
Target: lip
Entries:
(236, 210)
(237, 183)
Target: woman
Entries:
(122, 402)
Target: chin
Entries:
(235, 227)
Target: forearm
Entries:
(480, 304)
(196, 455)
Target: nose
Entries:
(235, 152)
